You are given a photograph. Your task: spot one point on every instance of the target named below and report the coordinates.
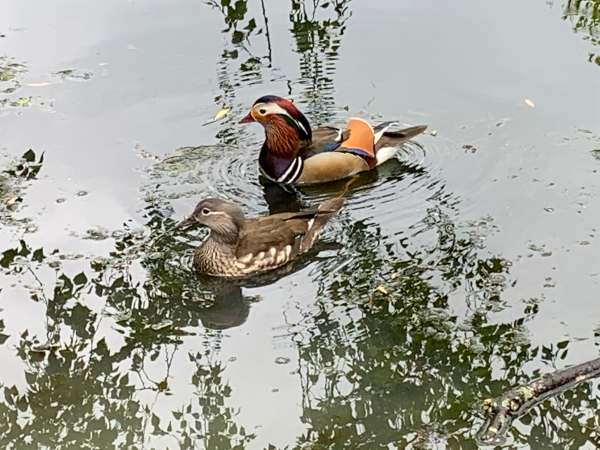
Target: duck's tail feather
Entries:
(388, 141)
(326, 211)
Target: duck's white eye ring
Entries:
(205, 211)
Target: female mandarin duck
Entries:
(239, 247)
(293, 153)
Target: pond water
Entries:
(467, 266)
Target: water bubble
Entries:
(161, 325)
(74, 74)
(282, 360)
(98, 234)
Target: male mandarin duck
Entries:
(239, 247)
(293, 153)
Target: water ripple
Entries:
(397, 192)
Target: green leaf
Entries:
(38, 255)
(80, 279)
(29, 156)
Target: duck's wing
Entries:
(341, 153)
(387, 141)
(359, 134)
(324, 139)
(386, 138)
(265, 235)
(289, 233)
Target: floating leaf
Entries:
(40, 84)
(11, 201)
(21, 101)
(162, 325)
(381, 288)
(221, 114)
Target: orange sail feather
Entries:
(362, 136)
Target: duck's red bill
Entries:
(247, 118)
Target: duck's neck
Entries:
(281, 138)
(281, 169)
(227, 239)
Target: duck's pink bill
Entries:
(247, 118)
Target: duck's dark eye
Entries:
(205, 211)
(262, 111)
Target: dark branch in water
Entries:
(502, 410)
(267, 34)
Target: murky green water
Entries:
(469, 265)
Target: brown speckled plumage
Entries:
(238, 247)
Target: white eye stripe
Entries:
(270, 108)
(274, 108)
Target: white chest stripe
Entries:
(287, 172)
(265, 174)
(293, 171)
(298, 170)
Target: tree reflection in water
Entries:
(383, 356)
(79, 392)
(317, 31)
(390, 354)
(585, 17)
(402, 368)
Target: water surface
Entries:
(467, 266)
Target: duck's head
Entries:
(224, 218)
(284, 124)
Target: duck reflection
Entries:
(280, 198)
(229, 309)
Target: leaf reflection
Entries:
(584, 15)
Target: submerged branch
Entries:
(502, 410)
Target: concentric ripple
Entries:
(208, 170)
(396, 194)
